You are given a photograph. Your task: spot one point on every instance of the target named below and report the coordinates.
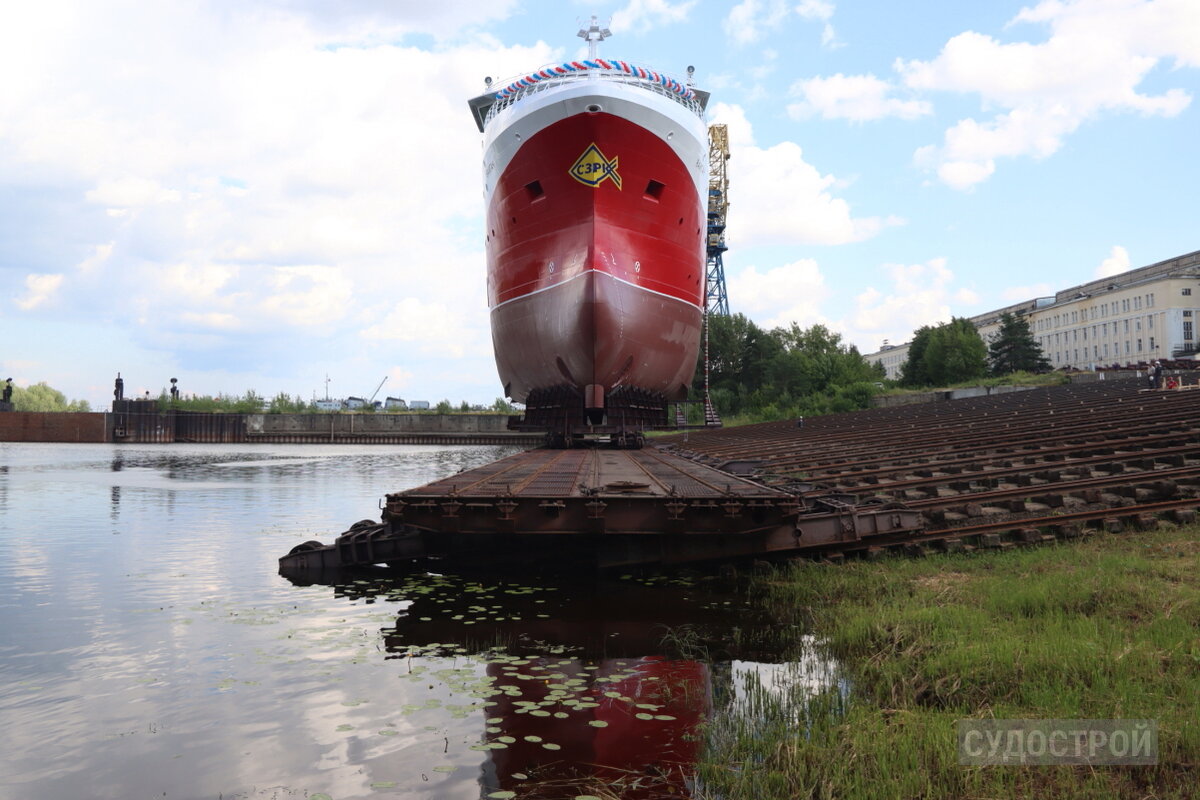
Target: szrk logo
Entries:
(593, 168)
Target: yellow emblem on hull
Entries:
(593, 168)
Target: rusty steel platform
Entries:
(592, 490)
(597, 506)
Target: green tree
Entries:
(444, 407)
(1014, 348)
(739, 355)
(913, 371)
(956, 353)
(42, 397)
(503, 406)
(945, 354)
(815, 360)
(283, 403)
(784, 372)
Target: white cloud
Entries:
(779, 198)
(386, 20)
(311, 296)
(640, 16)
(854, 97)
(816, 9)
(256, 171)
(965, 297)
(198, 282)
(918, 294)
(214, 320)
(823, 12)
(795, 292)
(749, 20)
(829, 38)
(1097, 55)
(1116, 263)
(432, 326)
(40, 289)
(399, 379)
(100, 254)
(130, 191)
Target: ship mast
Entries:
(594, 35)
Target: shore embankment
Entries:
(1103, 629)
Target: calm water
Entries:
(150, 649)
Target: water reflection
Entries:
(150, 649)
(581, 686)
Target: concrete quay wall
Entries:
(41, 426)
(893, 400)
(384, 429)
(164, 427)
(365, 424)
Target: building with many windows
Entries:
(1136, 317)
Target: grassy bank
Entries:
(1105, 628)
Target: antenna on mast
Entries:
(593, 35)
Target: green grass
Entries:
(1105, 628)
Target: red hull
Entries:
(596, 329)
(600, 282)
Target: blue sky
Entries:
(254, 195)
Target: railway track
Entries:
(1014, 469)
(1000, 535)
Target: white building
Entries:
(1135, 317)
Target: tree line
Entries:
(954, 352)
(783, 372)
(43, 397)
(759, 374)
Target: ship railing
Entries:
(692, 104)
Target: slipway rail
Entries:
(1015, 469)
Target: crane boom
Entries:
(377, 388)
